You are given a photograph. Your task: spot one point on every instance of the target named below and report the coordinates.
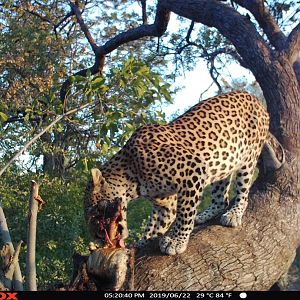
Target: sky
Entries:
(195, 83)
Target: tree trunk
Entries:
(282, 93)
(53, 162)
(31, 238)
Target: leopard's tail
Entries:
(272, 155)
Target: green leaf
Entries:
(26, 118)
(3, 117)
(103, 131)
(117, 115)
(59, 128)
(104, 148)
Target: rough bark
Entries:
(251, 257)
(273, 69)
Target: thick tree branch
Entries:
(235, 27)
(251, 257)
(292, 46)
(265, 21)
(156, 29)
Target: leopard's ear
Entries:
(96, 176)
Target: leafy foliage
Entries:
(39, 48)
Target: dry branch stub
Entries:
(35, 203)
(110, 266)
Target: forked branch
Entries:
(5, 235)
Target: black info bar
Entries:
(149, 295)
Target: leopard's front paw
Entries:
(232, 218)
(142, 243)
(202, 218)
(172, 246)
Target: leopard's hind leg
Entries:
(220, 200)
(233, 217)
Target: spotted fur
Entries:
(171, 164)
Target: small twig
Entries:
(188, 36)
(65, 18)
(144, 12)
(202, 93)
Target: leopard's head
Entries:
(105, 212)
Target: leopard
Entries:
(170, 165)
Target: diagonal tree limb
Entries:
(11, 267)
(21, 151)
(265, 21)
(157, 29)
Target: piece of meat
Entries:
(113, 237)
